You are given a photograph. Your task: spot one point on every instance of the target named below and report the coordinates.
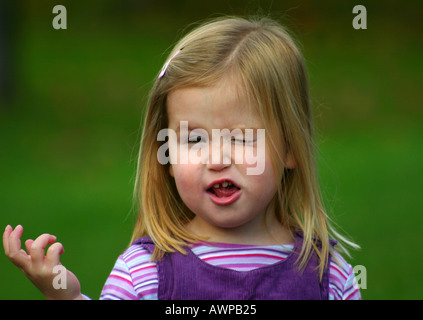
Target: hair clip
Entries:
(162, 73)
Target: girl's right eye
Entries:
(194, 139)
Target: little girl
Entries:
(209, 227)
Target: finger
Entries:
(53, 254)
(6, 235)
(28, 244)
(15, 253)
(37, 249)
(14, 241)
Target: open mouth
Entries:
(224, 192)
(224, 189)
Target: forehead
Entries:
(223, 105)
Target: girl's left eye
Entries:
(241, 140)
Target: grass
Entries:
(371, 183)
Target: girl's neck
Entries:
(269, 233)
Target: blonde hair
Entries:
(265, 57)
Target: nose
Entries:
(219, 155)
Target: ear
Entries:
(290, 162)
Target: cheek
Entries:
(266, 183)
(185, 178)
(188, 183)
(258, 163)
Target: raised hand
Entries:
(42, 269)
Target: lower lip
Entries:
(225, 200)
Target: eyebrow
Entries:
(191, 128)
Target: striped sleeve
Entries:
(342, 283)
(134, 277)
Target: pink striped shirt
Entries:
(134, 276)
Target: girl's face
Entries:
(221, 193)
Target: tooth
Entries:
(216, 186)
(229, 183)
(225, 184)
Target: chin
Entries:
(229, 223)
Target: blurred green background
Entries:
(72, 103)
